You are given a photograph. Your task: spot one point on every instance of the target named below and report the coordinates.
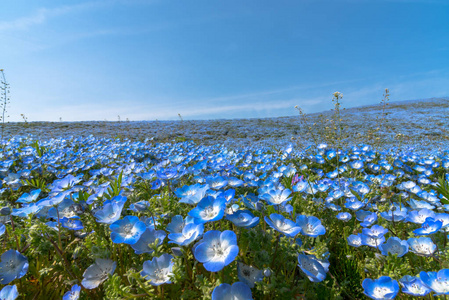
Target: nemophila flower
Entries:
(353, 204)
(189, 233)
(191, 194)
(9, 292)
(178, 223)
(430, 226)
(64, 184)
(422, 246)
(332, 206)
(149, 221)
(167, 174)
(251, 201)
(13, 265)
(217, 249)
(283, 225)
(415, 204)
(157, 184)
(139, 206)
(396, 214)
(362, 214)
(72, 224)
(2, 229)
(243, 218)
(444, 218)
(67, 208)
(249, 274)
(355, 240)
(235, 182)
(372, 241)
(216, 182)
(238, 291)
(381, 288)
(276, 196)
(32, 196)
(310, 226)
(73, 294)
(148, 237)
(413, 286)
(158, 270)
(97, 273)
(111, 210)
(127, 230)
(437, 281)
(209, 209)
(419, 217)
(375, 231)
(25, 210)
(394, 245)
(13, 181)
(300, 187)
(315, 269)
(369, 220)
(344, 216)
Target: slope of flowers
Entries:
(96, 218)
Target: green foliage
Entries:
(443, 188)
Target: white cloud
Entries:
(43, 14)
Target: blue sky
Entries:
(147, 60)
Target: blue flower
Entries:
(243, 218)
(13, 265)
(158, 270)
(355, 240)
(217, 249)
(188, 234)
(139, 206)
(73, 294)
(314, 268)
(396, 214)
(238, 290)
(72, 224)
(310, 226)
(344, 216)
(369, 220)
(26, 210)
(283, 225)
(438, 282)
(381, 288)
(98, 272)
(276, 196)
(9, 292)
(177, 224)
(32, 196)
(419, 217)
(128, 230)
(111, 210)
(376, 231)
(394, 245)
(67, 208)
(353, 204)
(422, 246)
(372, 241)
(413, 286)
(191, 194)
(2, 229)
(209, 209)
(147, 238)
(216, 182)
(430, 226)
(248, 274)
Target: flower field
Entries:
(97, 218)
